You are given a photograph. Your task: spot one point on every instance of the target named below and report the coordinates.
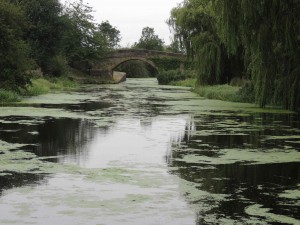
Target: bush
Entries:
(246, 93)
(38, 87)
(8, 96)
(222, 92)
(190, 82)
(43, 86)
(166, 77)
(56, 66)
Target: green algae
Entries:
(59, 98)
(292, 195)
(260, 211)
(245, 156)
(5, 146)
(120, 190)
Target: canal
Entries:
(139, 153)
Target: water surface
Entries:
(139, 153)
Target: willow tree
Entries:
(269, 31)
(194, 24)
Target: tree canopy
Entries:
(49, 35)
(14, 51)
(259, 40)
(149, 40)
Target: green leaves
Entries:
(149, 40)
(14, 57)
(262, 35)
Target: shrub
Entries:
(166, 77)
(57, 66)
(190, 82)
(246, 93)
(222, 92)
(8, 96)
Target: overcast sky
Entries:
(131, 16)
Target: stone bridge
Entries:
(106, 66)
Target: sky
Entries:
(131, 16)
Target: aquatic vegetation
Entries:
(141, 152)
(259, 210)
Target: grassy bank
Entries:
(223, 92)
(190, 82)
(43, 86)
(39, 86)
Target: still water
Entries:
(138, 153)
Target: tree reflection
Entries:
(243, 183)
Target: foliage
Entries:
(259, 39)
(269, 32)
(149, 40)
(14, 56)
(111, 34)
(57, 66)
(134, 69)
(223, 92)
(189, 82)
(175, 47)
(168, 63)
(43, 86)
(7, 96)
(83, 39)
(44, 34)
(194, 27)
(166, 77)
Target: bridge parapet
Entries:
(122, 53)
(108, 63)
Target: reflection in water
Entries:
(241, 182)
(64, 137)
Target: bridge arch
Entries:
(123, 60)
(107, 64)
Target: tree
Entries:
(46, 30)
(269, 32)
(84, 41)
(110, 33)
(14, 57)
(149, 40)
(259, 39)
(194, 26)
(175, 46)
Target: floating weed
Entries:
(259, 211)
(245, 156)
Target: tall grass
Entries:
(8, 96)
(43, 86)
(226, 92)
(189, 82)
(222, 92)
(166, 77)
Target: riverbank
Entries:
(38, 86)
(222, 92)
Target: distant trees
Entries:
(255, 39)
(46, 34)
(149, 40)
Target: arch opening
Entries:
(137, 68)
